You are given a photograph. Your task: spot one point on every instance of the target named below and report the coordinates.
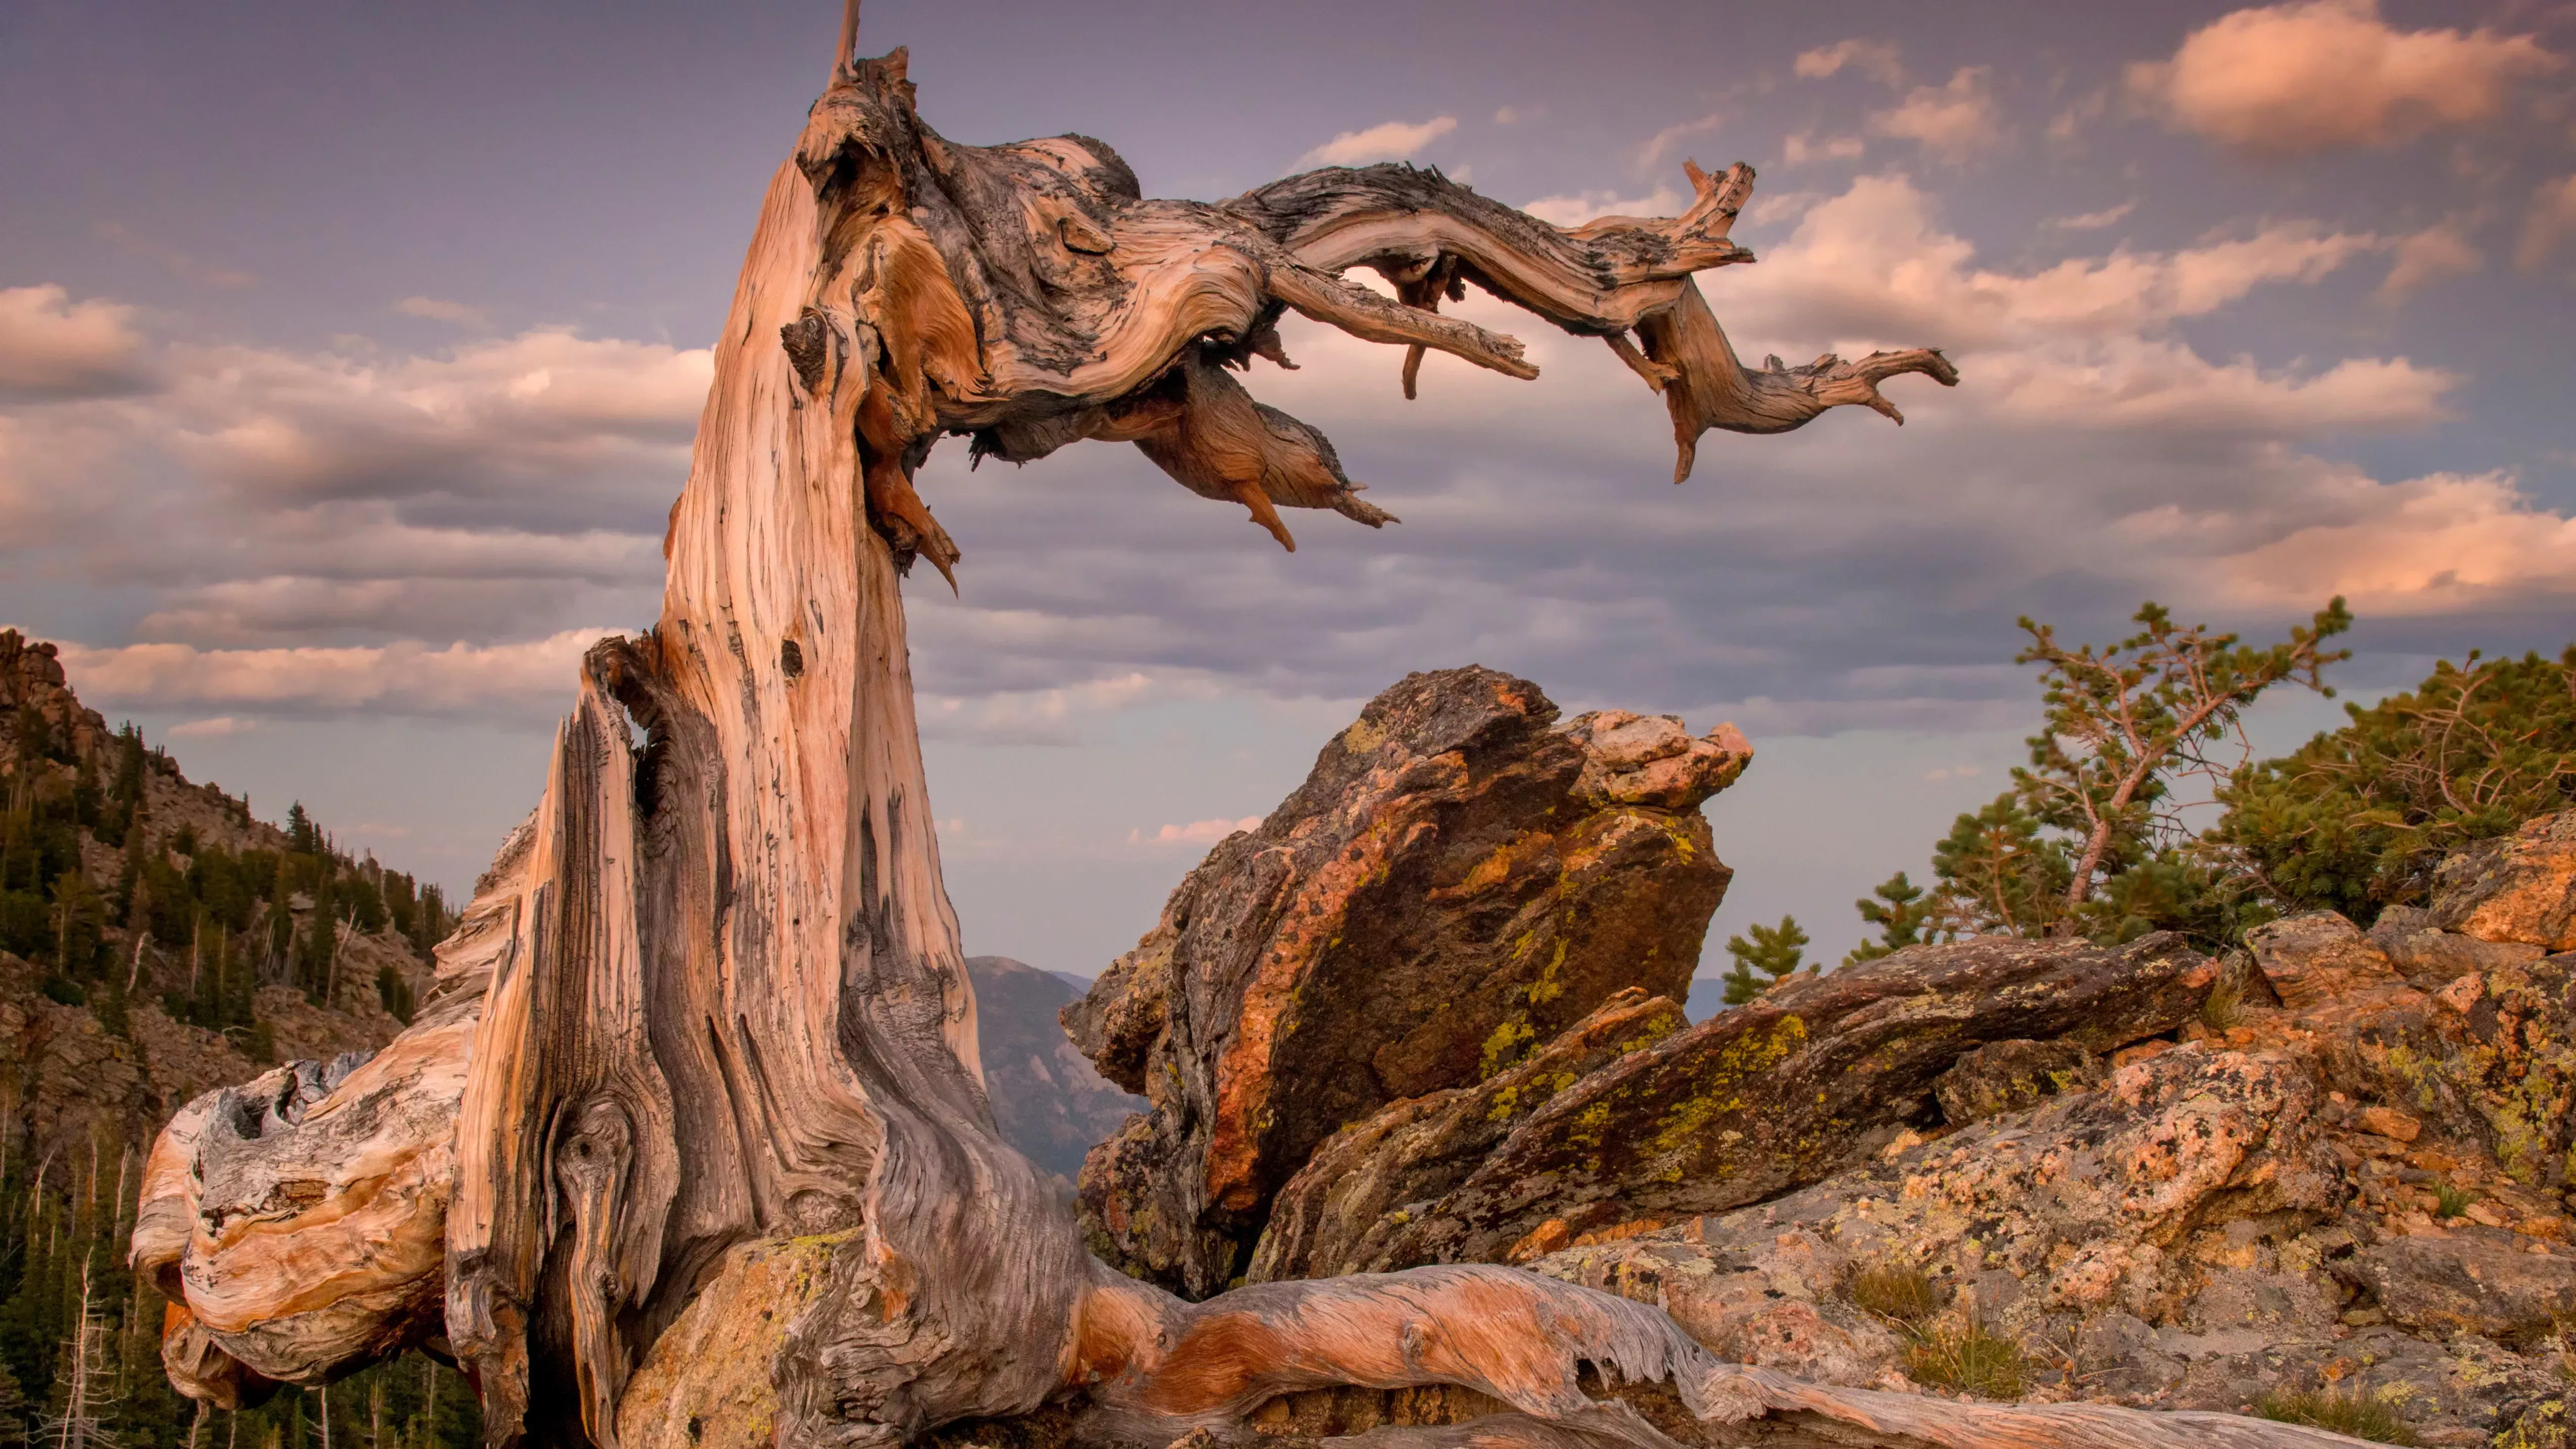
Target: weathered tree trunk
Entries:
(709, 1004)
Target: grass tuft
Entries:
(2450, 1200)
(2352, 1414)
(1967, 1357)
(2224, 1007)
(1906, 1295)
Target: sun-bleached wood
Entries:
(711, 994)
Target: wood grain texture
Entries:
(694, 1130)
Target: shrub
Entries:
(2450, 1200)
(2340, 1413)
(2355, 820)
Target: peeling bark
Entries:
(710, 1005)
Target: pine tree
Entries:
(1999, 874)
(1774, 952)
(2118, 725)
(1901, 911)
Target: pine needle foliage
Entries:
(1772, 953)
(2356, 819)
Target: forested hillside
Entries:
(157, 940)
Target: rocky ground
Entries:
(2334, 1165)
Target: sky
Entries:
(349, 358)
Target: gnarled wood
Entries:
(710, 1005)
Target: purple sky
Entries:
(349, 357)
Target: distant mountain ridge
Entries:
(1048, 1099)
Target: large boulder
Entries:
(1048, 1100)
(1458, 882)
(1815, 1075)
(2519, 887)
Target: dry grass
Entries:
(2353, 1414)
(2224, 1007)
(1905, 1295)
(2450, 1200)
(1967, 1357)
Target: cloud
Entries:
(481, 420)
(2551, 221)
(2292, 79)
(1197, 832)
(1952, 121)
(2439, 544)
(1661, 144)
(1801, 148)
(2109, 216)
(1050, 716)
(1385, 141)
(531, 677)
(219, 726)
(1876, 59)
(437, 311)
(2431, 255)
(193, 268)
(343, 530)
(53, 347)
(1586, 206)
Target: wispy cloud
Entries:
(436, 310)
(1952, 121)
(1197, 832)
(1876, 59)
(2108, 216)
(1385, 141)
(184, 264)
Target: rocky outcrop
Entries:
(1048, 1101)
(2360, 1198)
(1457, 882)
(1342, 1212)
(2431, 958)
(1756, 1101)
(2317, 957)
(2039, 1221)
(31, 679)
(2517, 888)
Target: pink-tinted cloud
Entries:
(2288, 80)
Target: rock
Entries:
(2516, 888)
(2476, 1280)
(2314, 958)
(2007, 1076)
(2390, 1123)
(1048, 1100)
(1363, 1184)
(1455, 884)
(2491, 1060)
(1787, 1090)
(2431, 958)
(2090, 1206)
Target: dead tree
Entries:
(690, 1144)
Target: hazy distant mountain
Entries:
(1050, 1103)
